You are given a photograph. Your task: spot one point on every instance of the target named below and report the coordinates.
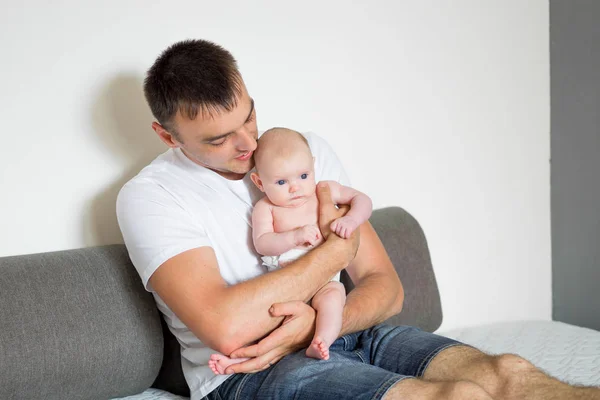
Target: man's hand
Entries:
(327, 210)
(295, 333)
(329, 213)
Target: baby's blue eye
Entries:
(281, 182)
(304, 176)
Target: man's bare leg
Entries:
(418, 389)
(329, 304)
(504, 377)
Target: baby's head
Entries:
(284, 167)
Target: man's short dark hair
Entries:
(192, 76)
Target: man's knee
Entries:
(510, 364)
(422, 390)
(466, 390)
(511, 371)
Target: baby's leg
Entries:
(329, 304)
(219, 363)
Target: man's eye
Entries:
(281, 182)
(304, 176)
(219, 142)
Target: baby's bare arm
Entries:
(361, 207)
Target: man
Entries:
(185, 221)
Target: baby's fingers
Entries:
(336, 226)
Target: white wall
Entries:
(441, 109)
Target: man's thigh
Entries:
(403, 350)
(296, 376)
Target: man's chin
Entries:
(242, 167)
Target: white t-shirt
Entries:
(174, 205)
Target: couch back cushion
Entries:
(76, 324)
(406, 244)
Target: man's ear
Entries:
(166, 137)
(257, 181)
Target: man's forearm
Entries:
(246, 305)
(375, 299)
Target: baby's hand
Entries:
(308, 234)
(344, 226)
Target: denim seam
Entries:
(382, 390)
(374, 350)
(238, 391)
(357, 352)
(425, 363)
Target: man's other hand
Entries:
(328, 213)
(295, 333)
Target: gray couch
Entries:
(78, 324)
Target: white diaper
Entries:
(272, 262)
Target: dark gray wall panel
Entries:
(575, 141)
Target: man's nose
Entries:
(246, 140)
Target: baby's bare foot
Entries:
(318, 349)
(219, 363)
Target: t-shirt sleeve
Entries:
(328, 166)
(155, 227)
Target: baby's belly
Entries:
(287, 219)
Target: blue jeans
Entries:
(362, 365)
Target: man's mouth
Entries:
(244, 156)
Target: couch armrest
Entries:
(407, 247)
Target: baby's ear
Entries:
(257, 181)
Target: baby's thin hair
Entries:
(277, 134)
(286, 131)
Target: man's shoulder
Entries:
(167, 170)
(327, 164)
(156, 180)
(316, 142)
(145, 182)
(155, 196)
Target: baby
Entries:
(285, 225)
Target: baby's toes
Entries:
(213, 367)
